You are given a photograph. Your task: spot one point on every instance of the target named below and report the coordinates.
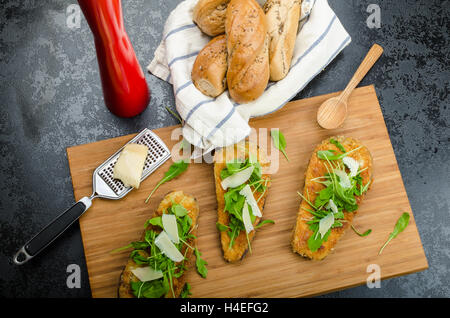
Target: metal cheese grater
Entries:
(104, 186)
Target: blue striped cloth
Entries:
(218, 122)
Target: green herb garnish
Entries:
(186, 292)
(329, 154)
(174, 115)
(135, 245)
(264, 223)
(174, 171)
(152, 289)
(200, 263)
(279, 141)
(156, 221)
(401, 224)
(221, 227)
(361, 234)
(337, 144)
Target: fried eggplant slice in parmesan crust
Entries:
(191, 205)
(317, 168)
(240, 151)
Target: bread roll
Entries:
(209, 15)
(210, 67)
(282, 18)
(248, 54)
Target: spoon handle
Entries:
(370, 59)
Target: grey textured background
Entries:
(51, 99)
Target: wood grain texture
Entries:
(273, 270)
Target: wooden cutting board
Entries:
(272, 270)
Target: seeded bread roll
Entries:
(210, 67)
(282, 17)
(209, 15)
(248, 50)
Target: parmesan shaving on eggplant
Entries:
(246, 218)
(169, 222)
(146, 274)
(250, 199)
(352, 165)
(238, 178)
(344, 179)
(166, 246)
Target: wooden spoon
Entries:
(333, 111)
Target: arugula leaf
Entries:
(279, 141)
(236, 226)
(339, 215)
(221, 227)
(366, 187)
(257, 171)
(200, 263)
(156, 221)
(152, 289)
(337, 144)
(135, 245)
(324, 196)
(174, 171)
(184, 225)
(361, 234)
(401, 224)
(329, 155)
(315, 241)
(224, 173)
(186, 292)
(236, 166)
(264, 223)
(174, 115)
(234, 202)
(139, 257)
(179, 210)
(325, 154)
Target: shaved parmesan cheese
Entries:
(344, 179)
(246, 218)
(352, 165)
(250, 199)
(331, 205)
(167, 247)
(169, 222)
(238, 178)
(325, 224)
(146, 274)
(130, 165)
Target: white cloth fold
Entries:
(218, 122)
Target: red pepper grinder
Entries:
(124, 86)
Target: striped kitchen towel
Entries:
(217, 122)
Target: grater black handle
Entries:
(49, 233)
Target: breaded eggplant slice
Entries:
(191, 205)
(237, 151)
(316, 168)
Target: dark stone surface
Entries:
(51, 99)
